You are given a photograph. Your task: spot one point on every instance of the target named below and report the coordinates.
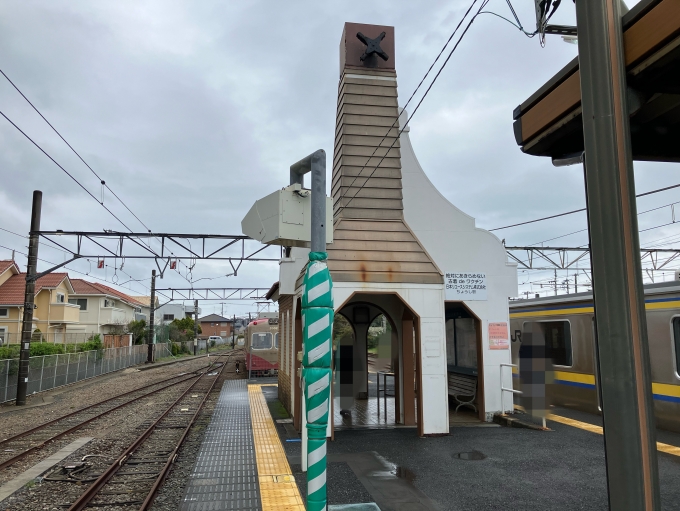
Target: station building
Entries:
(402, 251)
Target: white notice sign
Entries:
(465, 286)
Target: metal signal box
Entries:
(284, 218)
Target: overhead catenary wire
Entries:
(408, 120)
(64, 170)
(396, 121)
(72, 149)
(79, 272)
(579, 210)
(103, 183)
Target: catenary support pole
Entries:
(233, 332)
(152, 309)
(195, 327)
(627, 406)
(317, 321)
(29, 299)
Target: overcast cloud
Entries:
(193, 110)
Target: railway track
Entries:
(134, 478)
(17, 447)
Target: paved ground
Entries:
(520, 468)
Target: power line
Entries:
(411, 97)
(84, 162)
(64, 170)
(582, 209)
(72, 149)
(79, 272)
(484, 3)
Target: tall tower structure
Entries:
(372, 242)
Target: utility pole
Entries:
(196, 326)
(576, 283)
(555, 282)
(29, 299)
(621, 325)
(152, 310)
(233, 333)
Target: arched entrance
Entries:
(375, 336)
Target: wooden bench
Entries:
(463, 386)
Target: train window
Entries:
(676, 339)
(276, 340)
(262, 341)
(558, 342)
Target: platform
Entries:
(250, 460)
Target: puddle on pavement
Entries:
(470, 456)
(393, 470)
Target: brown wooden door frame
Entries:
(481, 407)
(297, 405)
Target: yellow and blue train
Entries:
(568, 325)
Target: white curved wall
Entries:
(456, 245)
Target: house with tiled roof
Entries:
(214, 324)
(103, 309)
(53, 313)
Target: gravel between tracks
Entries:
(112, 435)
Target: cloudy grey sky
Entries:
(193, 110)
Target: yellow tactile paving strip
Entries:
(278, 490)
(667, 448)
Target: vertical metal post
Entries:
(317, 309)
(627, 406)
(29, 299)
(250, 361)
(195, 327)
(555, 282)
(233, 332)
(152, 310)
(42, 370)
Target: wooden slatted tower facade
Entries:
(372, 242)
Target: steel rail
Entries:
(81, 410)
(42, 444)
(14, 459)
(86, 498)
(148, 501)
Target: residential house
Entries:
(53, 313)
(214, 324)
(103, 310)
(146, 308)
(171, 311)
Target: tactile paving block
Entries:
(278, 490)
(225, 476)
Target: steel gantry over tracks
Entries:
(566, 258)
(214, 293)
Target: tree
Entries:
(139, 331)
(183, 329)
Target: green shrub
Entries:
(11, 351)
(46, 348)
(92, 344)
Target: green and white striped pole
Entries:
(317, 330)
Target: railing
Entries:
(503, 389)
(50, 371)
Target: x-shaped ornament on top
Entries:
(372, 46)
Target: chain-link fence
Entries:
(10, 338)
(49, 371)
